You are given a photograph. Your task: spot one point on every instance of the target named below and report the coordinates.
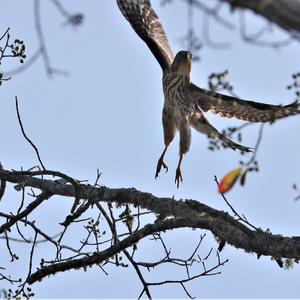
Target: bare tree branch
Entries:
(284, 13)
(188, 213)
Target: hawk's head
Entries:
(182, 63)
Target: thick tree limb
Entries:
(99, 257)
(188, 213)
(284, 13)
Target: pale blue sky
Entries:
(107, 114)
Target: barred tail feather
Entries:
(201, 124)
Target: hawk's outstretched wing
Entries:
(147, 25)
(246, 110)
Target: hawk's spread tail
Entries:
(201, 124)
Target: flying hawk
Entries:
(184, 101)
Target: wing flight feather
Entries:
(246, 110)
(145, 22)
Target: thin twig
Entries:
(243, 219)
(26, 137)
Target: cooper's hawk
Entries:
(184, 101)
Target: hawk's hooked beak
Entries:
(182, 63)
(189, 55)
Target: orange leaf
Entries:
(229, 180)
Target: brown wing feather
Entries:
(146, 23)
(227, 106)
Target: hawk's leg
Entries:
(178, 177)
(184, 146)
(161, 163)
(169, 127)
